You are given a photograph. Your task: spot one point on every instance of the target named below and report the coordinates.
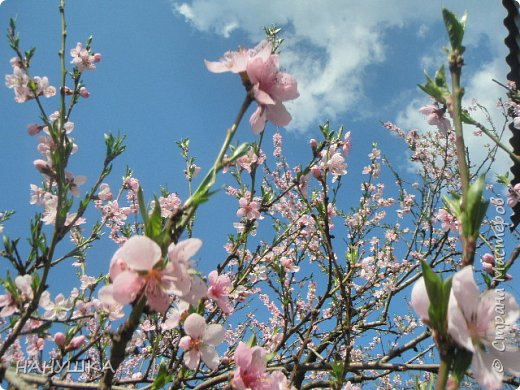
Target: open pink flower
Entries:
(251, 372)
(270, 87)
(250, 210)
(251, 368)
(180, 265)
(136, 266)
(435, 116)
(200, 341)
(484, 324)
(236, 61)
(219, 288)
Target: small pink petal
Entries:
(195, 326)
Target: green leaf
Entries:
(436, 88)
(153, 226)
(252, 341)
(461, 362)
(455, 29)
(142, 206)
(475, 210)
(162, 378)
(239, 152)
(439, 293)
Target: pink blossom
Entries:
(74, 182)
(449, 222)
(175, 315)
(83, 59)
(104, 192)
(34, 128)
(435, 117)
(197, 291)
(270, 89)
(251, 368)
(180, 255)
(169, 205)
(107, 304)
(200, 341)
(133, 267)
(250, 210)
(59, 309)
(289, 265)
(472, 323)
(346, 144)
(84, 93)
(236, 61)
(8, 305)
(513, 196)
(59, 339)
(76, 342)
(219, 288)
(251, 372)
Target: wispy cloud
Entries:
(331, 45)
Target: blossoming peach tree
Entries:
(320, 300)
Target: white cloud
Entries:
(330, 45)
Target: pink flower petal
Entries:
(192, 359)
(140, 253)
(195, 326)
(209, 356)
(278, 114)
(420, 300)
(184, 249)
(214, 334)
(484, 371)
(126, 287)
(457, 325)
(466, 292)
(258, 120)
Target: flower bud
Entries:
(59, 339)
(76, 342)
(84, 93)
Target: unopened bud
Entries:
(84, 93)
(59, 339)
(97, 57)
(34, 129)
(316, 171)
(76, 342)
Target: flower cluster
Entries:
(25, 87)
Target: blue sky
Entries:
(357, 63)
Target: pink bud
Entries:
(487, 267)
(59, 339)
(76, 342)
(97, 57)
(42, 166)
(488, 258)
(83, 92)
(34, 129)
(316, 171)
